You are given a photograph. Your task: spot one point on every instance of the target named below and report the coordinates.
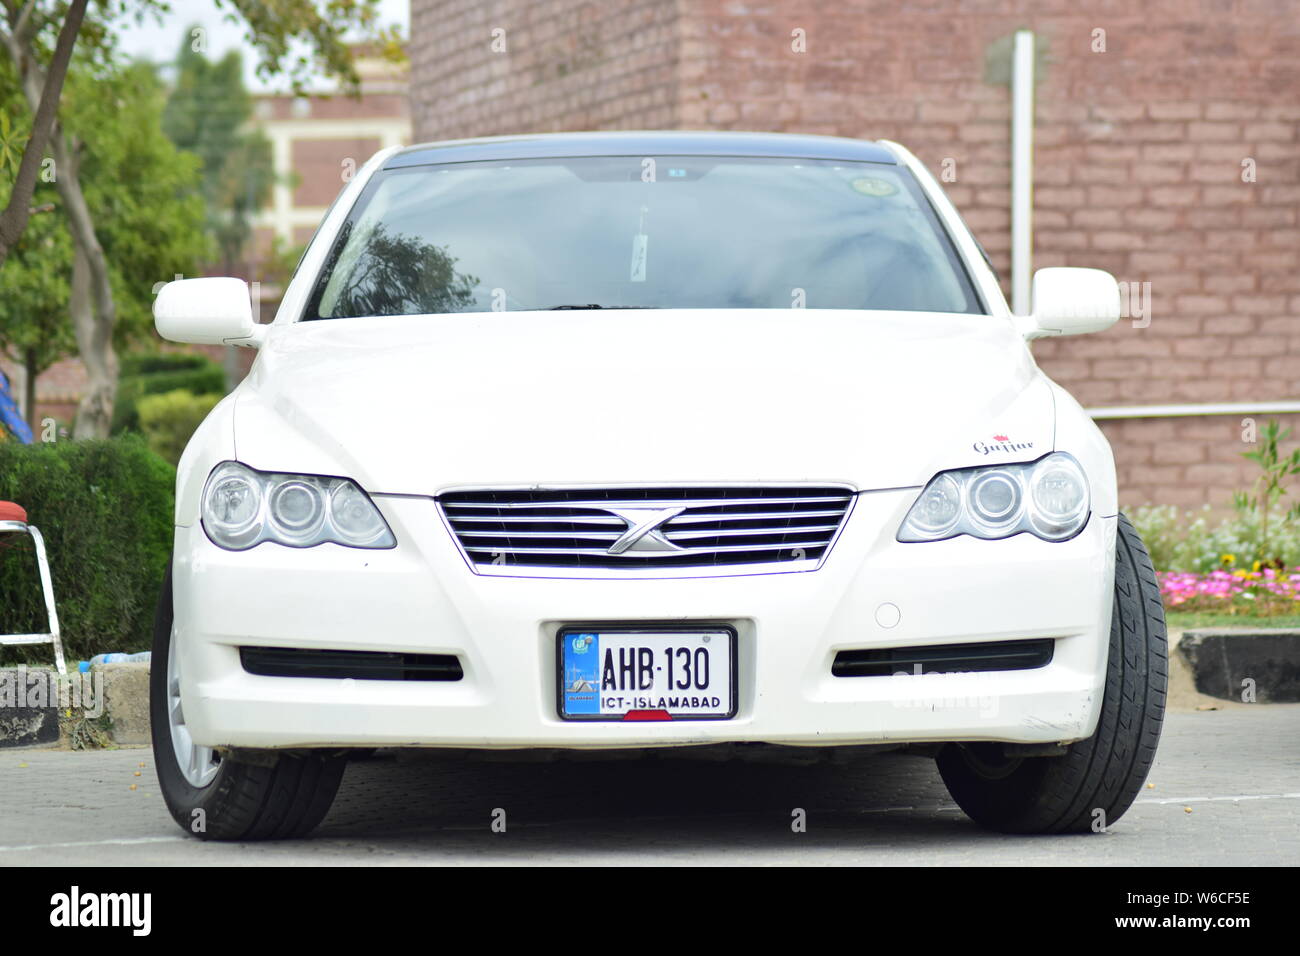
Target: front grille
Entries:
(360, 665)
(944, 658)
(738, 530)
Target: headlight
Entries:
(242, 508)
(1048, 498)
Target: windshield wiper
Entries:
(594, 305)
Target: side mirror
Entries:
(207, 312)
(1069, 301)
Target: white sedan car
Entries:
(635, 440)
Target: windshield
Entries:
(630, 232)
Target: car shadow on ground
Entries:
(653, 802)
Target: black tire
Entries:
(255, 795)
(1064, 794)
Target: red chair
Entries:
(13, 518)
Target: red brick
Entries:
(1179, 452)
(1174, 111)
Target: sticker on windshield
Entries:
(871, 186)
(639, 242)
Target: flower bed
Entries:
(1261, 591)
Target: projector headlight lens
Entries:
(231, 505)
(1048, 498)
(1059, 495)
(243, 508)
(354, 517)
(939, 506)
(995, 498)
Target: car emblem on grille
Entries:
(643, 534)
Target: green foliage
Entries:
(1193, 541)
(12, 141)
(156, 373)
(142, 193)
(1186, 620)
(301, 39)
(34, 327)
(1256, 533)
(281, 261)
(208, 114)
(34, 330)
(105, 509)
(168, 420)
(1270, 485)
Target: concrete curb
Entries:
(1238, 663)
(28, 717)
(107, 705)
(126, 702)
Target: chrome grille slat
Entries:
(652, 530)
(546, 519)
(601, 535)
(756, 516)
(745, 532)
(709, 550)
(652, 503)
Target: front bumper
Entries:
(422, 597)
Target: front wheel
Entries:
(1097, 779)
(254, 795)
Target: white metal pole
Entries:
(1022, 170)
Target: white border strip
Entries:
(1022, 171)
(1182, 411)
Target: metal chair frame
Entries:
(22, 527)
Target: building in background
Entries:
(318, 142)
(1166, 152)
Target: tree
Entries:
(143, 192)
(136, 184)
(34, 331)
(273, 27)
(25, 24)
(208, 114)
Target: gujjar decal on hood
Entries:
(1003, 445)
(417, 405)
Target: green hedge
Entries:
(105, 511)
(150, 363)
(151, 374)
(169, 420)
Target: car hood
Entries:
(416, 405)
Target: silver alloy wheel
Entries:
(197, 764)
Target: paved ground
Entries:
(1237, 770)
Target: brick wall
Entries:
(557, 64)
(1138, 161)
(318, 163)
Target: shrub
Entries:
(1262, 534)
(168, 420)
(156, 374)
(105, 511)
(1190, 541)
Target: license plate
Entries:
(627, 674)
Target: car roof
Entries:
(642, 143)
